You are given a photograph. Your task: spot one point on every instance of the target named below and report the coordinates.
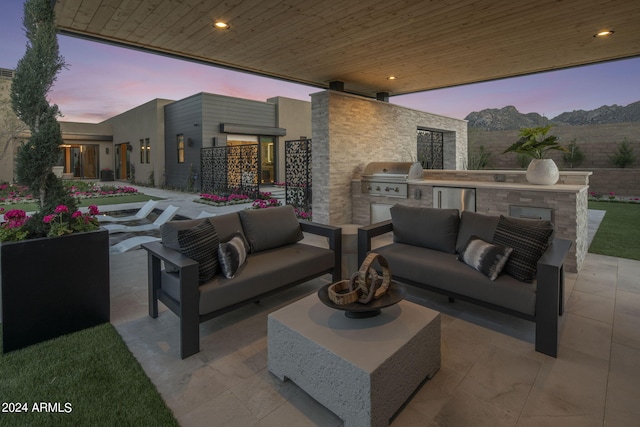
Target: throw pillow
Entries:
(169, 234)
(201, 244)
(270, 228)
(488, 259)
(528, 243)
(169, 231)
(232, 255)
(426, 227)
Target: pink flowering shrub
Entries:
(265, 203)
(231, 199)
(14, 193)
(59, 223)
(62, 222)
(11, 230)
(302, 214)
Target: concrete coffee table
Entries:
(363, 370)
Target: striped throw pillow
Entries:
(201, 244)
(528, 243)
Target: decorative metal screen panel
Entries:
(430, 149)
(297, 171)
(230, 169)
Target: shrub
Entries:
(35, 74)
(624, 155)
(479, 159)
(574, 157)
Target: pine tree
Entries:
(34, 77)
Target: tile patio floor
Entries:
(490, 373)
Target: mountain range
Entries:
(509, 118)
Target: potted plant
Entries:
(54, 265)
(56, 284)
(106, 174)
(535, 143)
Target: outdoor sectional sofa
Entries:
(429, 245)
(254, 253)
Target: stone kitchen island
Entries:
(496, 192)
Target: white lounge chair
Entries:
(205, 214)
(167, 215)
(131, 243)
(141, 214)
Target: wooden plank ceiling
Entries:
(425, 44)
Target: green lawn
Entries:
(619, 232)
(99, 201)
(88, 378)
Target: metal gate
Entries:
(297, 171)
(230, 169)
(430, 151)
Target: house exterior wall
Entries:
(181, 118)
(295, 116)
(350, 131)
(99, 134)
(198, 118)
(141, 122)
(220, 109)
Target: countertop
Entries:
(556, 188)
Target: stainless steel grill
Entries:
(389, 178)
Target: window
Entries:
(180, 148)
(147, 152)
(144, 151)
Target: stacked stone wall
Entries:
(350, 131)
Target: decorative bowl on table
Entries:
(355, 310)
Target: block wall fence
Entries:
(597, 142)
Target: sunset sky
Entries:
(104, 80)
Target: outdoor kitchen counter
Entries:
(498, 185)
(567, 203)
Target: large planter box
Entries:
(106, 175)
(53, 286)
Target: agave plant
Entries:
(535, 143)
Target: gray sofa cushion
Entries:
(444, 271)
(528, 243)
(270, 228)
(475, 224)
(227, 226)
(426, 227)
(262, 272)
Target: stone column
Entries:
(350, 131)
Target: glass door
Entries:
(267, 159)
(89, 160)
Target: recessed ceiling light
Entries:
(219, 25)
(391, 78)
(603, 33)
